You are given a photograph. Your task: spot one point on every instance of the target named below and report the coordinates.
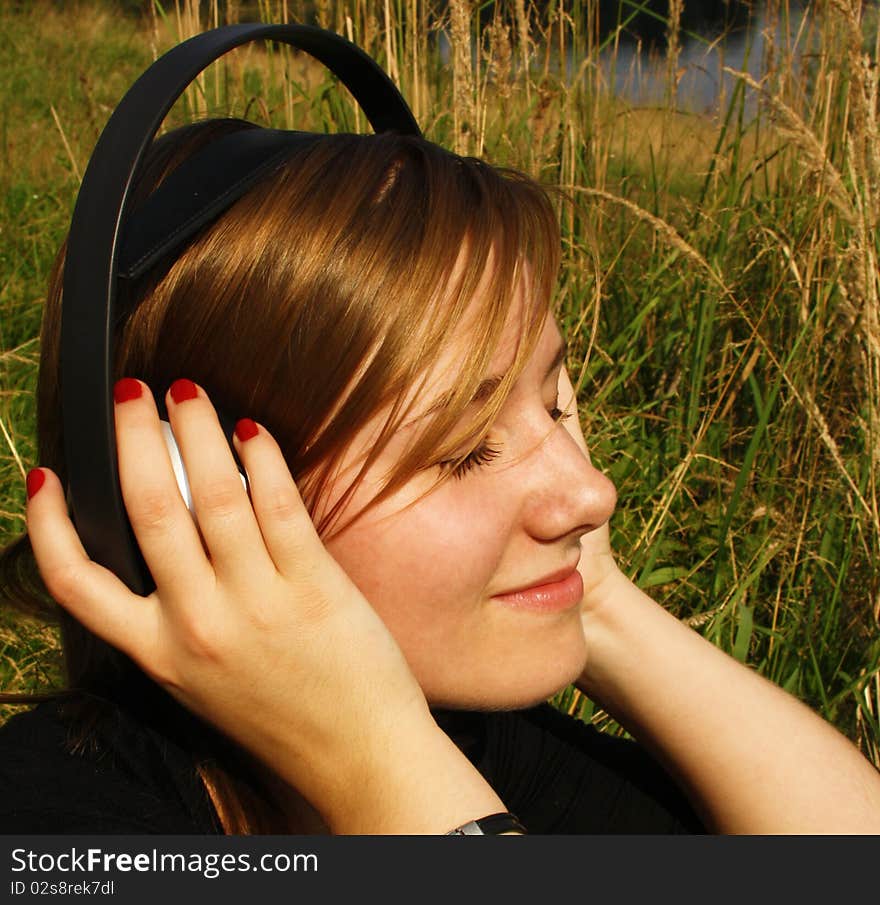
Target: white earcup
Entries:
(180, 471)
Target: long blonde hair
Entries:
(313, 305)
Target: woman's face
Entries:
(441, 568)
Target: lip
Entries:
(553, 593)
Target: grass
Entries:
(720, 286)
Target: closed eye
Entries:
(485, 453)
(488, 451)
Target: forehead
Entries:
(432, 390)
(471, 330)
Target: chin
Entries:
(509, 699)
(516, 691)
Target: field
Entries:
(720, 287)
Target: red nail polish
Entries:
(127, 388)
(245, 429)
(36, 477)
(183, 389)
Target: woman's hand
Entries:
(253, 625)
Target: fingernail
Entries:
(127, 388)
(245, 429)
(183, 389)
(36, 477)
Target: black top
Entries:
(557, 774)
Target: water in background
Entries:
(636, 69)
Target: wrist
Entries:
(627, 635)
(410, 779)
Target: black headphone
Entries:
(108, 243)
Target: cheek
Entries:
(425, 568)
(428, 571)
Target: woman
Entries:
(374, 636)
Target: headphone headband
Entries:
(95, 254)
(198, 191)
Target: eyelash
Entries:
(487, 451)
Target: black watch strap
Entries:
(493, 825)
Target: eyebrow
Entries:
(490, 384)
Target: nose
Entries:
(567, 494)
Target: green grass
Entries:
(721, 271)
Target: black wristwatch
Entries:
(493, 825)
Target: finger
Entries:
(93, 595)
(161, 522)
(285, 524)
(222, 506)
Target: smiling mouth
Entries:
(552, 578)
(558, 591)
